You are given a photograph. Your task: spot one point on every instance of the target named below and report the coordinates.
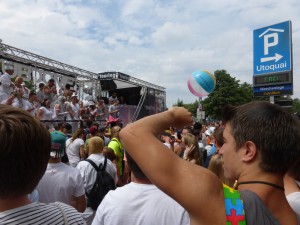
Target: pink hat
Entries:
(111, 120)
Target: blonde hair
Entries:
(115, 131)
(77, 133)
(190, 139)
(216, 166)
(18, 78)
(95, 145)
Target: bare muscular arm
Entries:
(195, 188)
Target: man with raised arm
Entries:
(261, 142)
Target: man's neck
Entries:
(54, 160)
(139, 180)
(12, 203)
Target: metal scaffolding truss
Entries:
(18, 55)
(128, 79)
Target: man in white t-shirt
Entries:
(5, 82)
(88, 172)
(113, 97)
(40, 93)
(139, 202)
(61, 182)
(73, 112)
(27, 156)
(113, 108)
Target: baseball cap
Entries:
(74, 95)
(58, 143)
(8, 66)
(93, 130)
(91, 102)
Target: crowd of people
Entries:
(52, 105)
(167, 168)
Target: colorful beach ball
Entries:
(201, 83)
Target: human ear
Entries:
(250, 151)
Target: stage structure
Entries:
(138, 98)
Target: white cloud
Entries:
(162, 42)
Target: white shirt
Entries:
(5, 83)
(75, 109)
(112, 108)
(72, 150)
(59, 183)
(29, 105)
(47, 113)
(294, 201)
(40, 94)
(139, 204)
(89, 174)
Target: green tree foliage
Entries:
(191, 107)
(296, 105)
(228, 90)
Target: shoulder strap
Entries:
(119, 143)
(62, 212)
(100, 167)
(114, 139)
(234, 206)
(93, 164)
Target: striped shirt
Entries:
(40, 213)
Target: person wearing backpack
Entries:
(89, 173)
(139, 202)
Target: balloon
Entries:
(201, 83)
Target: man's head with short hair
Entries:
(32, 96)
(67, 129)
(134, 168)
(165, 137)
(51, 81)
(24, 152)
(96, 145)
(218, 136)
(102, 129)
(274, 131)
(41, 85)
(67, 86)
(186, 130)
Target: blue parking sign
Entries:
(272, 49)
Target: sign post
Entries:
(272, 68)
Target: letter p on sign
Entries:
(270, 40)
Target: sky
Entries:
(159, 41)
